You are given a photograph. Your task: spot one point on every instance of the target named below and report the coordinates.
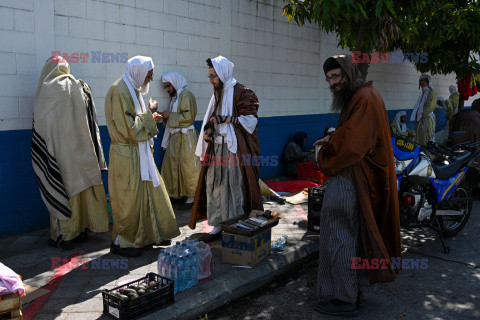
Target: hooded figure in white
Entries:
(141, 210)
(423, 112)
(228, 183)
(180, 167)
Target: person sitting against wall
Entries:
(293, 154)
(398, 126)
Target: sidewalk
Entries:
(448, 289)
(78, 295)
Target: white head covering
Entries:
(224, 69)
(401, 126)
(134, 77)
(425, 76)
(452, 88)
(176, 79)
(179, 83)
(418, 109)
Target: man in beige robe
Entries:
(450, 105)
(398, 126)
(141, 210)
(423, 112)
(180, 167)
(67, 155)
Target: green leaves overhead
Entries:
(449, 31)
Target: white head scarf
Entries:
(401, 126)
(418, 109)
(452, 88)
(179, 83)
(224, 69)
(134, 77)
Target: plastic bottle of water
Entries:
(194, 275)
(161, 257)
(166, 265)
(188, 278)
(174, 277)
(182, 281)
(195, 262)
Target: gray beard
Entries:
(145, 88)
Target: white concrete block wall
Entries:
(17, 64)
(281, 62)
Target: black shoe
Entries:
(126, 252)
(82, 237)
(208, 238)
(277, 199)
(186, 206)
(63, 245)
(360, 300)
(165, 243)
(337, 308)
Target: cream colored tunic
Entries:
(181, 167)
(452, 104)
(89, 210)
(142, 214)
(425, 127)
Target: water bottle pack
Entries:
(184, 263)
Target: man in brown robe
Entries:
(229, 148)
(360, 214)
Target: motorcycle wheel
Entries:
(460, 199)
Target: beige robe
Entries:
(425, 127)
(67, 155)
(181, 167)
(395, 130)
(451, 105)
(142, 214)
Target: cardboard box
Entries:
(246, 250)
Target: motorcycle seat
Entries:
(446, 171)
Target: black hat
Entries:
(330, 64)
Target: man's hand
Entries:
(152, 105)
(157, 117)
(322, 141)
(207, 134)
(213, 120)
(165, 114)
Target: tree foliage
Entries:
(449, 31)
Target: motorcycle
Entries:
(431, 185)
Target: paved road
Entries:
(448, 289)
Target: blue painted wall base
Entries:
(22, 209)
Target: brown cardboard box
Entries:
(246, 250)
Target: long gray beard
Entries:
(145, 88)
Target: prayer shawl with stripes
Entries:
(67, 154)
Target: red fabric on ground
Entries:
(35, 305)
(290, 186)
